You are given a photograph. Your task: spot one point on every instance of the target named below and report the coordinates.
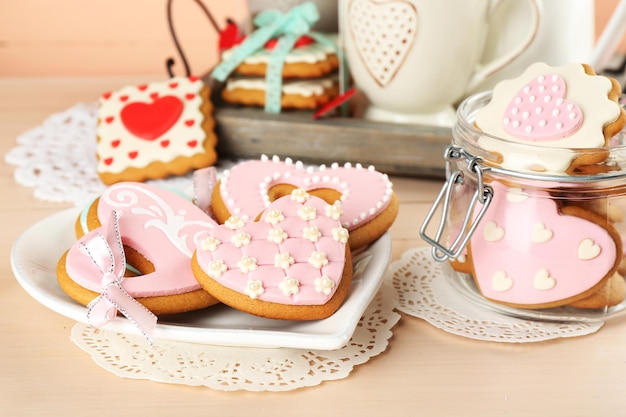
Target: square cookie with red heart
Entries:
(155, 130)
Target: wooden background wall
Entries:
(93, 37)
(116, 37)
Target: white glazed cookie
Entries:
(155, 130)
(564, 115)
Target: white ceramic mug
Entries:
(414, 59)
(566, 34)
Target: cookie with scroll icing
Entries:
(556, 120)
(159, 230)
(364, 196)
(530, 252)
(155, 130)
(292, 263)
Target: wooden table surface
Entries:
(424, 372)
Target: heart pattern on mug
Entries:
(550, 254)
(539, 111)
(383, 34)
(149, 121)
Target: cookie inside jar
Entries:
(532, 212)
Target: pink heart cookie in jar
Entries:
(533, 206)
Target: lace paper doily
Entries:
(58, 158)
(423, 292)
(236, 368)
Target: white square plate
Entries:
(35, 254)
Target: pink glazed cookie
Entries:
(158, 230)
(293, 263)
(528, 252)
(155, 130)
(365, 196)
(554, 120)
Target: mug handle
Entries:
(502, 61)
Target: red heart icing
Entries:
(540, 111)
(151, 120)
(294, 255)
(526, 251)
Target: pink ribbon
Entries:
(107, 253)
(204, 181)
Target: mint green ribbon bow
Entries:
(273, 23)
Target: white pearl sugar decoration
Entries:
(324, 285)
(289, 286)
(247, 264)
(216, 268)
(277, 235)
(254, 288)
(283, 260)
(235, 222)
(312, 233)
(209, 244)
(318, 259)
(240, 239)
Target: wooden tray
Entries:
(407, 150)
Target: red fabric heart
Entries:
(151, 120)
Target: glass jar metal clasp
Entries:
(482, 195)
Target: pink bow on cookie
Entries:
(107, 253)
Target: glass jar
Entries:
(522, 238)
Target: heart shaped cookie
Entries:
(368, 203)
(293, 263)
(545, 256)
(553, 120)
(159, 230)
(383, 33)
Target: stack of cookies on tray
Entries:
(282, 64)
